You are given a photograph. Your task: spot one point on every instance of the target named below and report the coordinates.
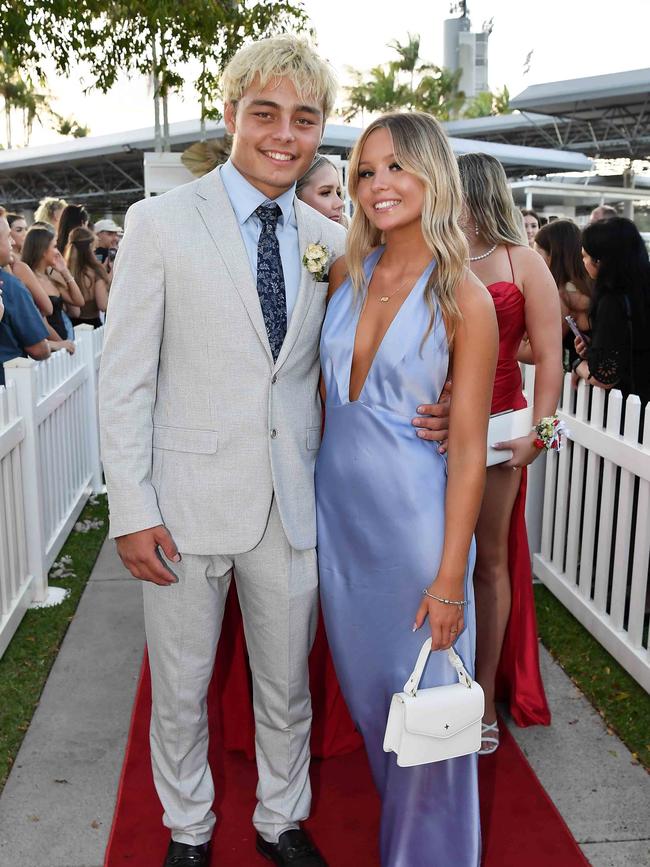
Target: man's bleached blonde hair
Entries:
(279, 57)
(420, 147)
(489, 200)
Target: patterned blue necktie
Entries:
(270, 279)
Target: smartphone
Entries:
(570, 321)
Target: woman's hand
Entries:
(524, 451)
(58, 263)
(580, 346)
(445, 621)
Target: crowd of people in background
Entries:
(64, 264)
(602, 274)
(55, 273)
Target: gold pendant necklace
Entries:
(386, 298)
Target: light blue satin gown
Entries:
(381, 521)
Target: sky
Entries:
(567, 37)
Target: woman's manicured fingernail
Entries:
(176, 558)
(421, 433)
(420, 409)
(415, 628)
(417, 421)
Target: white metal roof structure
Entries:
(524, 160)
(106, 172)
(567, 195)
(603, 115)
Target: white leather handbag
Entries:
(442, 722)
(506, 426)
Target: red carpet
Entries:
(520, 823)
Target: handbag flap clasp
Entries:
(443, 711)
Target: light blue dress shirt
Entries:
(245, 199)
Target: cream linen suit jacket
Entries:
(199, 427)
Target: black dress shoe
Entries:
(183, 855)
(293, 849)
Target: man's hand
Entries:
(433, 419)
(139, 553)
(68, 345)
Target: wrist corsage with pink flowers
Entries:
(550, 433)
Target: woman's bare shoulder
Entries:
(472, 297)
(21, 270)
(525, 258)
(337, 274)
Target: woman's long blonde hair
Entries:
(489, 200)
(420, 147)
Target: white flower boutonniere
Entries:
(315, 260)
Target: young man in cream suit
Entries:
(210, 428)
(211, 423)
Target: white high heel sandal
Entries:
(489, 736)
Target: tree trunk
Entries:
(166, 142)
(8, 123)
(156, 97)
(203, 135)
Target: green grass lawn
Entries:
(31, 653)
(618, 698)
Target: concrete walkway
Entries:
(57, 807)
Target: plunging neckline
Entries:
(357, 322)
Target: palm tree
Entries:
(21, 94)
(488, 103)
(17, 93)
(438, 93)
(409, 54)
(429, 88)
(380, 92)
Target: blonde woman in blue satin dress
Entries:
(394, 515)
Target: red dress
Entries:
(518, 681)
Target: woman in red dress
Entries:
(526, 301)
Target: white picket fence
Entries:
(588, 508)
(595, 537)
(49, 466)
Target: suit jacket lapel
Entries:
(306, 288)
(216, 211)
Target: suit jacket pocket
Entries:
(313, 437)
(181, 439)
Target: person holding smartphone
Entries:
(618, 355)
(559, 244)
(108, 240)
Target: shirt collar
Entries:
(245, 198)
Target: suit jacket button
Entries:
(274, 379)
(274, 433)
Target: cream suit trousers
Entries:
(277, 588)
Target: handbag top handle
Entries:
(412, 684)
